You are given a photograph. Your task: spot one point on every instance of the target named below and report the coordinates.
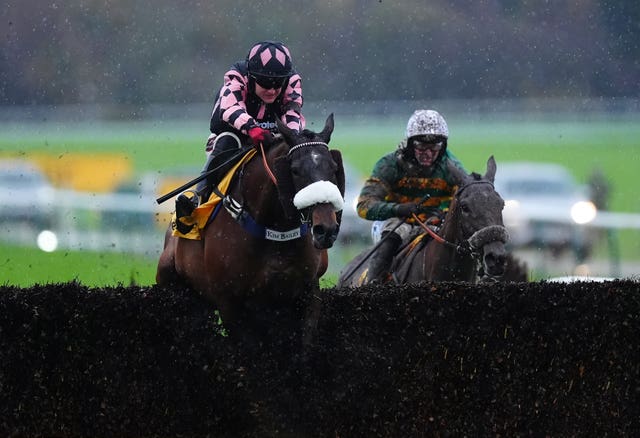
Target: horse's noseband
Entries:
(319, 192)
(486, 235)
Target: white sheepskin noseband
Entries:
(319, 192)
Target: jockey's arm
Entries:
(233, 109)
(292, 104)
(376, 197)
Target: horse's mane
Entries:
(284, 179)
(476, 176)
(277, 141)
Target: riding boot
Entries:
(218, 164)
(203, 189)
(188, 200)
(381, 259)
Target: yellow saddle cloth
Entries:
(201, 214)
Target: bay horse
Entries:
(267, 246)
(472, 236)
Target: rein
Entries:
(266, 166)
(462, 249)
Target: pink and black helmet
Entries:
(269, 59)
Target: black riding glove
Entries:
(406, 209)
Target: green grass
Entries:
(24, 267)
(609, 144)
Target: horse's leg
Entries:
(166, 272)
(227, 310)
(311, 317)
(189, 261)
(324, 263)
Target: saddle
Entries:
(202, 214)
(403, 260)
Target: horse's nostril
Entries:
(324, 238)
(495, 263)
(318, 231)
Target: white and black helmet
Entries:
(427, 123)
(427, 126)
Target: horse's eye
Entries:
(295, 170)
(295, 167)
(465, 208)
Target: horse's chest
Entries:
(287, 267)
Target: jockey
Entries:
(412, 179)
(255, 92)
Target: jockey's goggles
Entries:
(423, 146)
(269, 83)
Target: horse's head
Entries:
(477, 208)
(311, 181)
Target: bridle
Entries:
(237, 211)
(462, 248)
(305, 215)
(472, 245)
(294, 148)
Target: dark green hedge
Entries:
(510, 359)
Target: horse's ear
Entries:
(286, 190)
(286, 132)
(325, 134)
(337, 157)
(458, 174)
(491, 169)
(271, 140)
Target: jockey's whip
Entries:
(196, 180)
